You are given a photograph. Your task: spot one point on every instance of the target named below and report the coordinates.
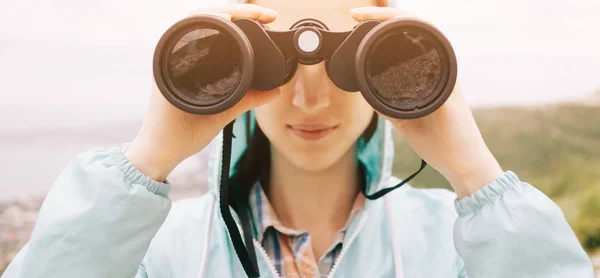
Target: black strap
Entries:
(387, 190)
(245, 253)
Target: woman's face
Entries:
(313, 124)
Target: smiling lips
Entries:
(311, 131)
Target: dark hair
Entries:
(255, 164)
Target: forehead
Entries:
(334, 13)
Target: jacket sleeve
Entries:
(97, 220)
(510, 229)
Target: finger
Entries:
(267, 16)
(378, 13)
(226, 16)
(251, 11)
(236, 11)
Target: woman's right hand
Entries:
(169, 135)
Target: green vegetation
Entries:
(555, 148)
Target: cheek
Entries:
(358, 113)
(270, 118)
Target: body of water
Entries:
(30, 162)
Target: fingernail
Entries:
(270, 11)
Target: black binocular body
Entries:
(403, 67)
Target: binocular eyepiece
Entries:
(404, 67)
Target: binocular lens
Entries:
(205, 66)
(404, 68)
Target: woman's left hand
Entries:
(447, 139)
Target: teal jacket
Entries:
(104, 218)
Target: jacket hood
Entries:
(376, 155)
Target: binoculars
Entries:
(403, 67)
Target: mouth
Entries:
(311, 132)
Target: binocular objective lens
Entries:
(204, 66)
(404, 69)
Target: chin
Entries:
(313, 164)
(314, 159)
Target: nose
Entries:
(311, 88)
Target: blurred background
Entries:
(76, 75)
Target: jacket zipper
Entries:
(336, 264)
(270, 263)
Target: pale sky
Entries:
(68, 63)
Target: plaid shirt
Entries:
(290, 249)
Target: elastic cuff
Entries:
(487, 194)
(133, 175)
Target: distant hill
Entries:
(556, 148)
(592, 100)
(595, 98)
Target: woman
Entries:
(313, 150)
